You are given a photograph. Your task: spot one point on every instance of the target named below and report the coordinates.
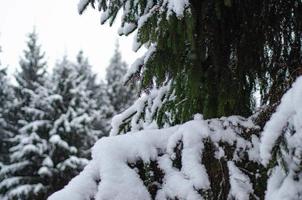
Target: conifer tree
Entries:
(22, 177)
(105, 109)
(120, 95)
(99, 94)
(209, 51)
(32, 64)
(213, 55)
(75, 113)
(6, 99)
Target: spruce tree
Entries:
(22, 177)
(105, 109)
(32, 64)
(6, 99)
(99, 94)
(213, 56)
(75, 113)
(216, 53)
(120, 95)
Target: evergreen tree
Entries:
(281, 147)
(105, 108)
(55, 121)
(213, 55)
(22, 177)
(216, 52)
(120, 95)
(32, 64)
(98, 93)
(75, 113)
(6, 99)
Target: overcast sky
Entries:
(61, 31)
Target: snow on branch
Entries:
(138, 64)
(82, 187)
(82, 5)
(143, 165)
(289, 111)
(281, 147)
(241, 187)
(147, 105)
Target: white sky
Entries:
(61, 31)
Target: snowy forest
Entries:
(211, 111)
(50, 120)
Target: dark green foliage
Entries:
(218, 53)
(150, 174)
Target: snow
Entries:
(34, 111)
(82, 5)
(33, 126)
(176, 185)
(111, 157)
(289, 110)
(47, 162)
(82, 187)
(140, 62)
(241, 187)
(24, 189)
(283, 135)
(104, 16)
(25, 150)
(255, 151)
(27, 145)
(153, 100)
(9, 182)
(13, 167)
(134, 68)
(72, 162)
(109, 175)
(127, 29)
(177, 6)
(54, 97)
(50, 114)
(282, 186)
(191, 134)
(136, 46)
(56, 139)
(44, 171)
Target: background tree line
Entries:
(49, 121)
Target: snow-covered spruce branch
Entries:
(199, 159)
(281, 147)
(122, 160)
(142, 113)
